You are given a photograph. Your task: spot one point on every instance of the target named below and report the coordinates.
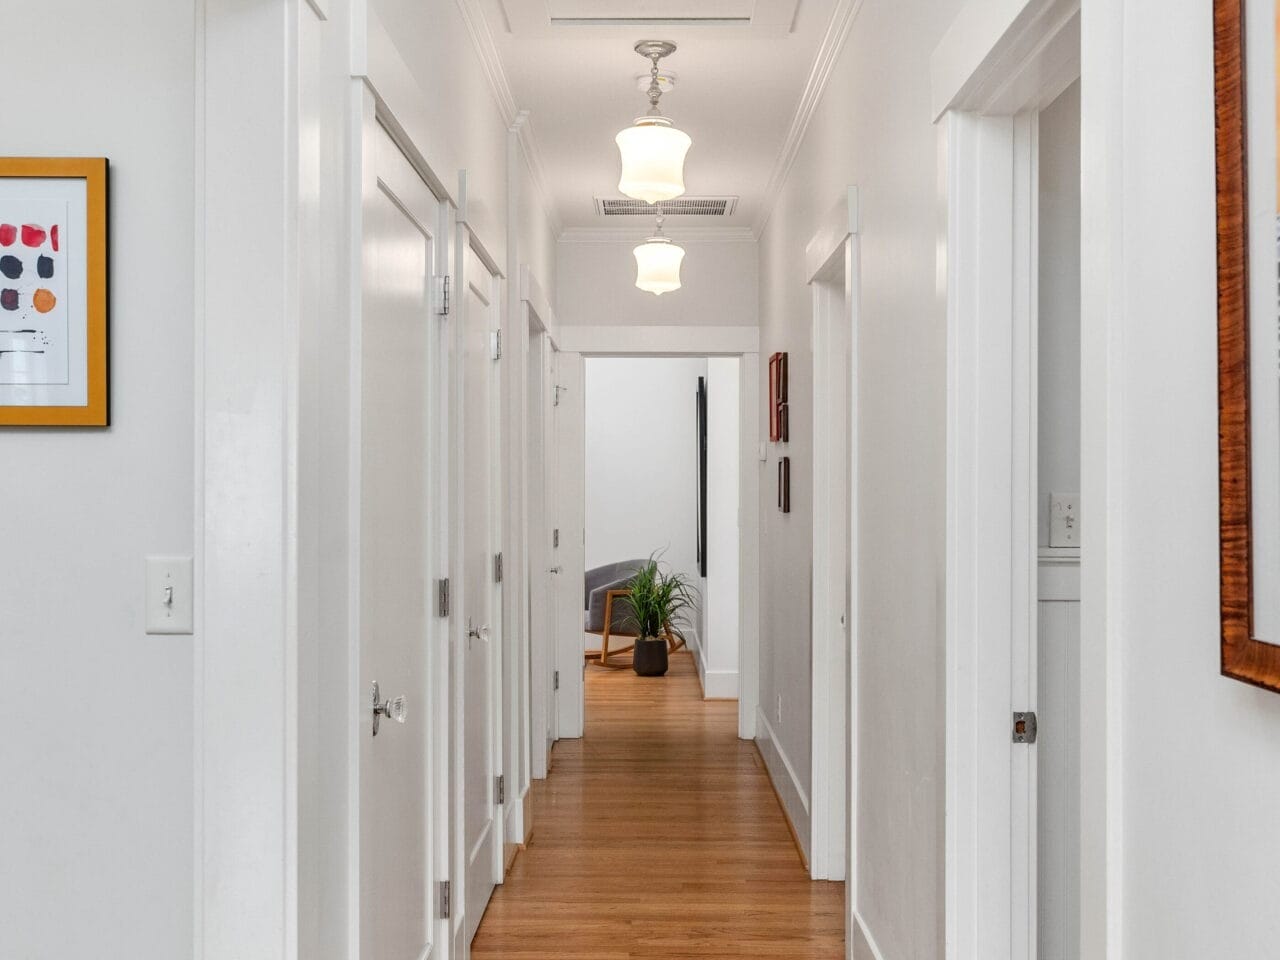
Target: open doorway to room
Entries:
(1011, 119)
(659, 803)
(1058, 541)
(661, 443)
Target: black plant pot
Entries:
(650, 658)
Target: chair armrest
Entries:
(619, 614)
(597, 600)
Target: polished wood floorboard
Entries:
(658, 835)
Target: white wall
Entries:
(1200, 853)
(96, 843)
(718, 654)
(463, 130)
(1059, 302)
(97, 852)
(871, 129)
(536, 240)
(642, 469)
(597, 285)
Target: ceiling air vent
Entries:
(679, 207)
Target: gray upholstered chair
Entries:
(606, 610)
(599, 581)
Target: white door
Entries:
(541, 579)
(550, 487)
(399, 741)
(570, 553)
(482, 594)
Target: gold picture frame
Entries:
(73, 254)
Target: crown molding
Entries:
(638, 232)
(842, 17)
(516, 120)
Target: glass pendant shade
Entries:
(652, 160)
(658, 265)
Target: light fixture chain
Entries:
(655, 89)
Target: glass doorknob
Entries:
(397, 709)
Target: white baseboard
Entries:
(513, 821)
(716, 684)
(793, 794)
(864, 944)
(719, 684)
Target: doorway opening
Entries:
(662, 452)
(1058, 526)
(1010, 132)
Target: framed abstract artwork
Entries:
(1247, 115)
(784, 484)
(53, 292)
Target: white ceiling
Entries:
(747, 74)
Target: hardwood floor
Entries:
(658, 835)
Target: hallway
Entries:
(659, 835)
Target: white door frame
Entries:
(246, 423)
(831, 260)
(577, 342)
(539, 323)
(996, 67)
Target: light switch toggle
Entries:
(169, 602)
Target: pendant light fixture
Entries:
(652, 149)
(658, 263)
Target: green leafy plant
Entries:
(660, 598)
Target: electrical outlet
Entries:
(1064, 519)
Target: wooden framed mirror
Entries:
(1248, 172)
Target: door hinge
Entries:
(446, 902)
(500, 789)
(442, 295)
(555, 537)
(497, 568)
(1024, 727)
(555, 680)
(443, 597)
(497, 344)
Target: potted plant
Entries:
(660, 601)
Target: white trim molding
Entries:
(540, 310)
(636, 233)
(827, 245)
(859, 928)
(659, 341)
(1005, 56)
(246, 819)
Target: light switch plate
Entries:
(169, 603)
(1064, 520)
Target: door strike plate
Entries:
(1024, 727)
